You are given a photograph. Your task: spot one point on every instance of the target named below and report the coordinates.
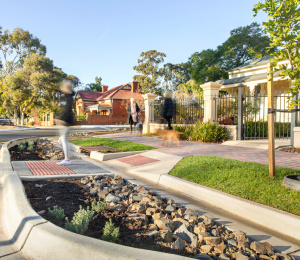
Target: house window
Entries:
(104, 112)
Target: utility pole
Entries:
(271, 114)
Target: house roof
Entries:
(246, 78)
(113, 93)
(258, 62)
(89, 95)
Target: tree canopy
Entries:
(284, 30)
(150, 71)
(97, 86)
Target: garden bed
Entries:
(243, 179)
(290, 149)
(41, 149)
(144, 219)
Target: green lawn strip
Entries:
(243, 179)
(121, 146)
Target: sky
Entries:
(105, 37)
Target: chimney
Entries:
(104, 88)
(134, 86)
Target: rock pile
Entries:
(47, 150)
(178, 227)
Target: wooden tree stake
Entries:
(271, 114)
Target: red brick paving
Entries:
(48, 168)
(284, 159)
(138, 160)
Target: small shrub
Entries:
(57, 212)
(205, 132)
(22, 146)
(81, 220)
(111, 233)
(30, 146)
(98, 205)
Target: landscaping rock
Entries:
(240, 256)
(214, 241)
(208, 222)
(223, 257)
(206, 249)
(200, 228)
(263, 248)
(232, 242)
(112, 198)
(220, 248)
(185, 234)
(157, 216)
(153, 234)
(178, 244)
(179, 221)
(166, 235)
(169, 209)
(165, 224)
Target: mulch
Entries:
(70, 194)
(290, 150)
(23, 155)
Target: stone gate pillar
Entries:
(210, 91)
(149, 111)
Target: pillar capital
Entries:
(211, 86)
(149, 96)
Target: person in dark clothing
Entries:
(66, 119)
(168, 109)
(132, 111)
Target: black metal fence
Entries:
(254, 112)
(186, 111)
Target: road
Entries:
(46, 132)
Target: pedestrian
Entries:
(132, 111)
(168, 109)
(66, 119)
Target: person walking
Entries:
(168, 109)
(66, 119)
(132, 111)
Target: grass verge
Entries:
(121, 146)
(243, 179)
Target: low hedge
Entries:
(260, 129)
(206, 132)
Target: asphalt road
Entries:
(45, 132)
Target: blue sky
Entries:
(105, 38)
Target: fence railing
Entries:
(226, 109)
(186, 111)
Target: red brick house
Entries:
(108, 106)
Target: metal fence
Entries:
(254, 114)
(186, 111)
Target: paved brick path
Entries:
(284, 159)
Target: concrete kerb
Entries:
(36, 238)
(17, 129)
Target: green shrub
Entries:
(98, 205)
(57, 212)
(111, 233)
(205, 132)
(30, 146)
(22, 146)
(81, 220)
(260, 129)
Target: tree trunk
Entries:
(15, 116)
(22, 116)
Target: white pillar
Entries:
(149, 111)
(210, 91)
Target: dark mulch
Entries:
(23, 155)
(291, 149)
(70, 194)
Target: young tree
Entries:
(30, 83)
(150, 71)
(284, 30)
(244, 44)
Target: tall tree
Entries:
(29, 83)
(204, 66)
(174, 75)
(150, 71)
(244, 44)
(97, 86)
(284, 30)
(15, 47)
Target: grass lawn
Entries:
(243, 179)
(121, 146)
